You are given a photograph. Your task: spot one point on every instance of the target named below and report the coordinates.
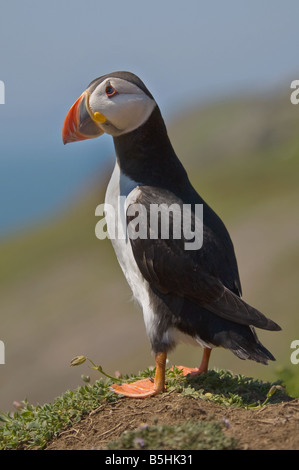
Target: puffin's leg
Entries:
(145, 387)
(203, 366)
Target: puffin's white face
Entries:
(115, 106)
(124, 105)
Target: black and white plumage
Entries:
(183, 293)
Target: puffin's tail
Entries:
(216, 331)
(249, 347)
(231, 307)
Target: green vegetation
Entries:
(225, 388)
(289, 376)
(190, 435)
(34, 426)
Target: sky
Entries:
(186, 53)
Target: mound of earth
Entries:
(271, 427)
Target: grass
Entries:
(225, 388)
(289, 376)
(190, 435)
(33, 426)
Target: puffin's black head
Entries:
(115, 103)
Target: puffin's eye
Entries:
(110, 91)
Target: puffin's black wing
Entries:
(193, 274)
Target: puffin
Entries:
(187, 290)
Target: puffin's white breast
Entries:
(120, 193)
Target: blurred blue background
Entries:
(186, 52)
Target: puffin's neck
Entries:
(147, 156)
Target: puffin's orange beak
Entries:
(80, 122)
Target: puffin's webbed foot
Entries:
(202, 368)
(145, 387)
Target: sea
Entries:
(38, 178)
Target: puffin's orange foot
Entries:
(190, 370)
(202, 368)
(140, 389)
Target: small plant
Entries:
(192, 435)
(78, 360)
